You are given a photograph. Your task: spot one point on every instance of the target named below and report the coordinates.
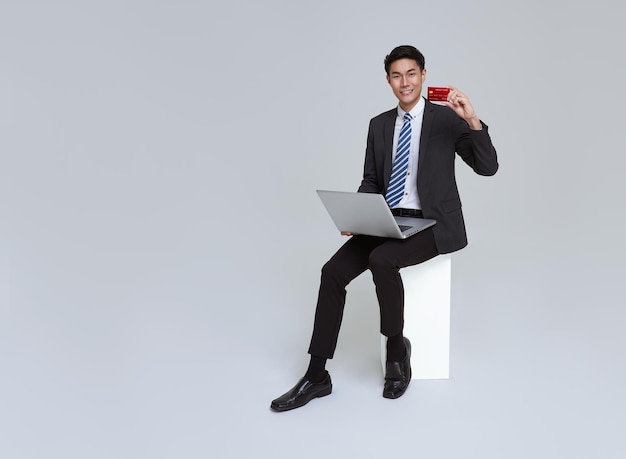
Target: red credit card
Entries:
(437, 94)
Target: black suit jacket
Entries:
(444, 134)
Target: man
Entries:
(409, 159)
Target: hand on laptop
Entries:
(347, 233)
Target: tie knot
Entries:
(407, 117)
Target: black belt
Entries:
(407, 212)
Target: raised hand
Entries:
(460, 103)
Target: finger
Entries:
(453, 95)
(455, 100)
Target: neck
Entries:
(408, 108)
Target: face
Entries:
(405, 79)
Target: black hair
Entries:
(404, 52)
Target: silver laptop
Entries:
(369, 214)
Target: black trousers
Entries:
(384, 258)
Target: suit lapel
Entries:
(389, 128)
(427, 123)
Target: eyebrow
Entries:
(400, 73)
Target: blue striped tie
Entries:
(395, 190)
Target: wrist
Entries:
(474, 123)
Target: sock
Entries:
(317, 369)
(396, 348)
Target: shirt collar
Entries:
(417, 110)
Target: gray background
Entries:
(142, 315)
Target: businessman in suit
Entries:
(409, 158)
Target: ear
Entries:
(423, 75)
(388, 80)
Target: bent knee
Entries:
(330, 270)
(378, 261)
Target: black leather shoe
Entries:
(302, 393)
(398, 375)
